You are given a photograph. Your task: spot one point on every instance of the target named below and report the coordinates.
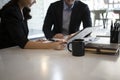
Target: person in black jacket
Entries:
(64, 18)
(14, 27)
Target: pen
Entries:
(51, 39)
(117, 50)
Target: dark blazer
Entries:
(13, 29)
(80, 13)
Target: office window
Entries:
(38, 12)
(35, 24)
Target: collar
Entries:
(66, 6)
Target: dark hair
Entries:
(26, 12)
(14, 1)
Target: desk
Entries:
(26, 64)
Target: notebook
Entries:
(103, 45)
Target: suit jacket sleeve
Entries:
(86, 18)
(48, 22)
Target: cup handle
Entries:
(68, 46)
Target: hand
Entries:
(40, 40)
(70, 36)
(59, 45)
(59, 36)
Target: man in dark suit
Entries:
(64, 18)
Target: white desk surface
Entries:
(26, 64)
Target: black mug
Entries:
(78, 47)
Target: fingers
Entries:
(61, 40)
(70, 36)
(60, 47)
(40, 40)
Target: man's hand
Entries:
(70, 36)
(59, 36)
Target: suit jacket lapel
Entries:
(74, 15)
(22, 20)
(18, 11)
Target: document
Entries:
(82, 34)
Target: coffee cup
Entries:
(77, 47)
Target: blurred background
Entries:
(102, 12)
